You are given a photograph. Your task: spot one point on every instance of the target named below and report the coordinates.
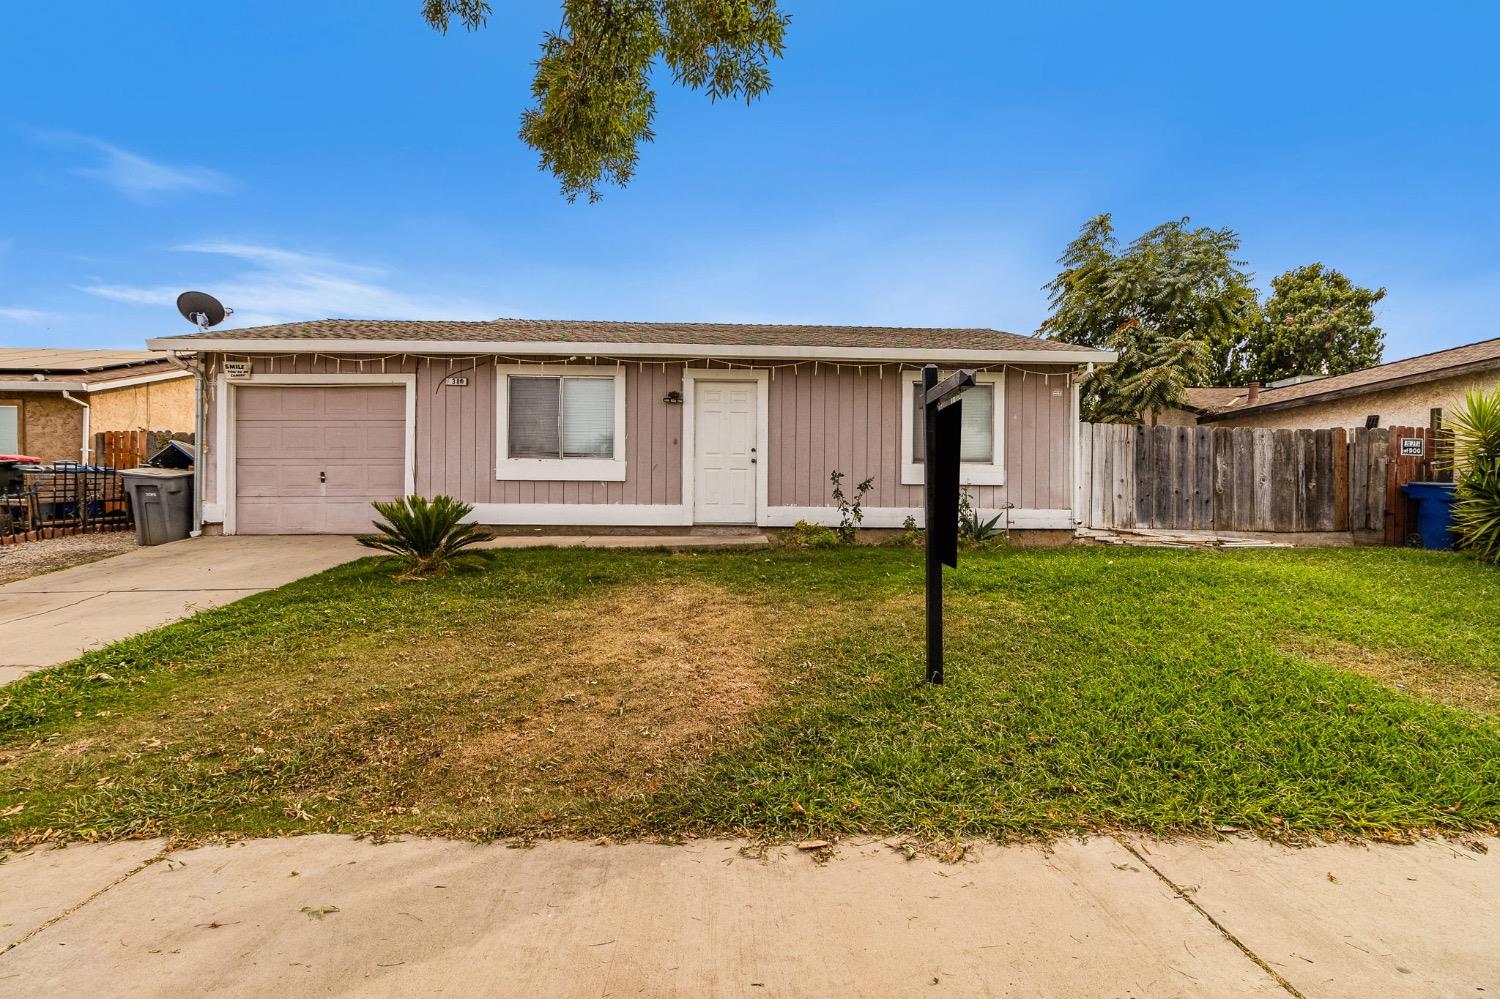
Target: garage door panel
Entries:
(309, 459)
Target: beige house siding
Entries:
(818, 421)
(1407, 406)
(163, 405)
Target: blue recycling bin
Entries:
(1434, 512)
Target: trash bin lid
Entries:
(1439, 491)
(156, 473)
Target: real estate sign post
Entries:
(942, 425)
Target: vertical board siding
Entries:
(819, 420)
(850, 421)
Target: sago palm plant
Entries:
(1476, 464)
(426, 536)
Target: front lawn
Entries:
(777, 693)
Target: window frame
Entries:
(557, 469)
(20, 405)
(970, 473)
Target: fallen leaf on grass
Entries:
(13, 810)
(320, 911)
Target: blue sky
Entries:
(918, 164)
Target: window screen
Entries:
(10, 429)
(978, 425)
(561, 417)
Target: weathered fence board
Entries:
(1239, 479)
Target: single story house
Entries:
(52, 401)
(1414, 392)
(616, 424)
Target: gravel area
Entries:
(30, 558)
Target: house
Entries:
(616, 424)
(52, 401)
(1414, 392)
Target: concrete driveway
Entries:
(57, 616)
(1117, 917)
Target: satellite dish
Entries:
(202, 309)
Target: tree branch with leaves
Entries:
(594, 100)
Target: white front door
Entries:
(724, 422)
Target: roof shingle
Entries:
(581, 331)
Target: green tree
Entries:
(1176, 304)
(594, 103)
(1317, 322)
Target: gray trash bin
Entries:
(161, 500)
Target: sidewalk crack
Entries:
(79, 905)
(1223, 930)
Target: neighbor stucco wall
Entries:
(164, 405)
(51, 426)
(818, 421)
(1408, 406)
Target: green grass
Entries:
(639, 693)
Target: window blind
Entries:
(553, 417)
(10, 429)
(978, 425)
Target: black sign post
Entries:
(942, 422)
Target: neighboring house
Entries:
(1408, 393)
(52, 401)
(617, 424)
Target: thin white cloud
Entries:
(277, 285)
(141, 179)
(19, 315)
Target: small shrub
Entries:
(851, 512)
(1476, 464)
(973, 530)
(425, 536)
(910, 536)
(805, 535)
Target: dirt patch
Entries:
(640, 681)
(1418, 677)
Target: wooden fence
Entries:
(131, 448)
(1238, 479)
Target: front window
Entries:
(978, 419)
(562, 417)
(560, 423)
(982, 450)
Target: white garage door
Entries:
(308, 460)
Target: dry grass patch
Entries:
(1423, 678)
(640, 681)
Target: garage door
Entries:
(309, 460)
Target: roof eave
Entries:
(664, 351)
(1333, 395)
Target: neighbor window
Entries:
(10, 428)
(982, 449)
(561, 426)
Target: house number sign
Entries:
(458, 381)
(1413, 447)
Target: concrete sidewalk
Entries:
(58, 616)
(324, 915)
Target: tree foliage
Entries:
(1317, 322)
(1176, 304)
(594, 102)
